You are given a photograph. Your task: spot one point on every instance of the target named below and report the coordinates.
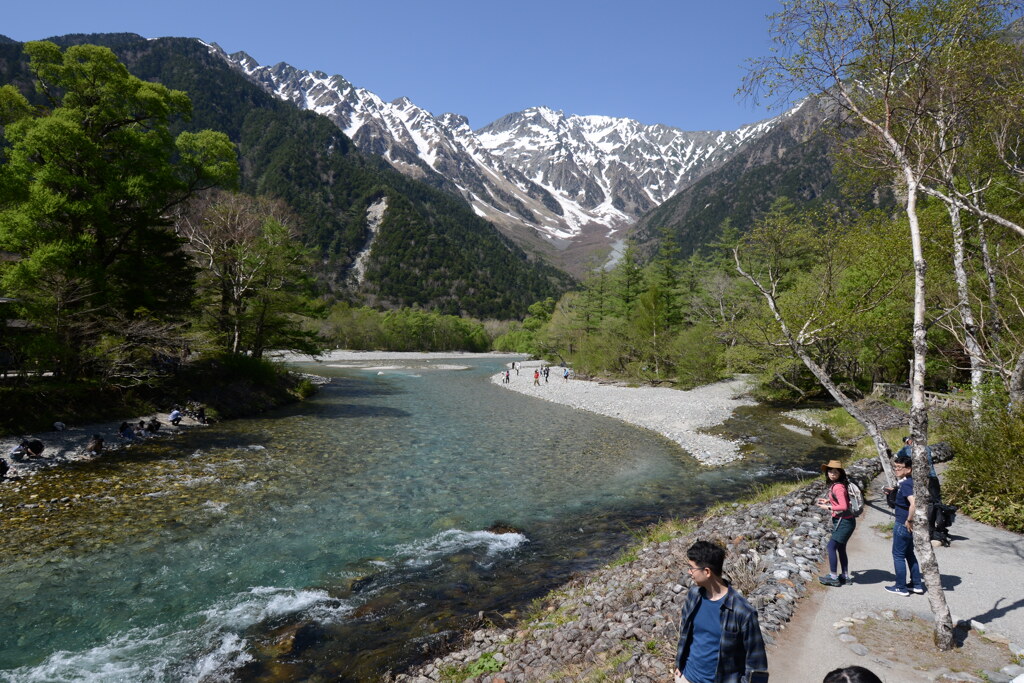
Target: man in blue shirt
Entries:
(719, 635)
(936, 531)
(903, 531)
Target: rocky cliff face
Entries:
(541, 176)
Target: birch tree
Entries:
(872, 59)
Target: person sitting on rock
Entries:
(95, 445)
(140, 430)
(126, 432)
(153, 426)
(35, 448)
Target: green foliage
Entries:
(89, 179)
(402, 330)
(986, 479)
(485, 664)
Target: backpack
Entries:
(856, 498)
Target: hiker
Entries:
(565, 374)
(153, 426)
(175, 416)
(95, 445)
(19, 452)
(903, 531)
(936, 532)
(842, 522)
(126, 432)
(719, 636)
(536, 378)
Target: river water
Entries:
(343, 537)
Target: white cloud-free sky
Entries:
(677, 62)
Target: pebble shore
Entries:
(678, 415)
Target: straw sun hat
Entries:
(832, 465)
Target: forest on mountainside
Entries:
(300, 157)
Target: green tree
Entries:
(85, 192)
(253, 272)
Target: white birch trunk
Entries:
(971, 345)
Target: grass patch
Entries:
(544, 612)
(884, 528)
(766, 492)
(485, 664)
(664, 530)
(841, 424)
(865, 448)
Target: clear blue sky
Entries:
(677, 62)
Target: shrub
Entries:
(986, 479)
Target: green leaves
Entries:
(86, 189)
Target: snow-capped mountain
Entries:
(537, 170)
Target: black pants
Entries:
(935, 492)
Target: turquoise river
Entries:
(344, 537)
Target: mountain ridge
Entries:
(567, 187)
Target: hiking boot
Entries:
(829, 581)
(898, 590)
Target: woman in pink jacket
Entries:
(837, 502)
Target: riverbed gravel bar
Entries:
(678, 415)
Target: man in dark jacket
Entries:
(719, 635)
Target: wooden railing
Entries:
(932, 398)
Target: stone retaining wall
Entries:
(622, 621)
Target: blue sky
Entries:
(658, 61)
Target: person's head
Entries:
(834, 472)
(901, 465)
(124, 426)
(851, 674)
(908, 441)
(705, 558)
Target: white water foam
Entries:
(451, 541)
(208, 649)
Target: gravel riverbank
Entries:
(677, 415)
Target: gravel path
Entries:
(677, 415)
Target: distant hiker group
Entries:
(542, 371)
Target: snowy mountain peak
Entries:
(538, 170)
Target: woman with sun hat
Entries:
(842, 522)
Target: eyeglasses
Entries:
(693, 569)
